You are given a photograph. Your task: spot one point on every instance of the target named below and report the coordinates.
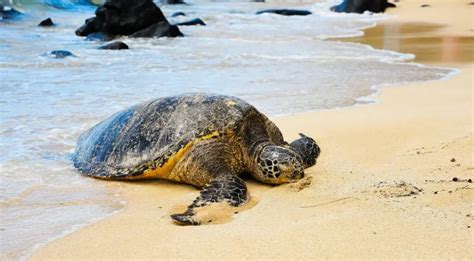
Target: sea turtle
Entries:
(204, 140)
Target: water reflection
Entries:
(418, 39)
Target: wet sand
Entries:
(419, 39)
(392, 180)
(441, 33)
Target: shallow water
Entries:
(282, 65)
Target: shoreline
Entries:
(357, 179)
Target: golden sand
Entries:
(383, 186)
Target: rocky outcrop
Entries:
(360, 6)
(136, 18)
(161, 29)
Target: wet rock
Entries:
(9, 13)
(114, 46)
(90, 26)
(46, 22)
(360, 6)
(287, 12)
(161, 29)
(195, 21)
(128, 17)
(59, 54)
(175, 2)
(178, 14)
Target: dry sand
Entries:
(382, 188)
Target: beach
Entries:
(392, 181)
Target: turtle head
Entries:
(307, 148)
(277, 165)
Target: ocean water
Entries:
(282, 65)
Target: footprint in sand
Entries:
(396, 189)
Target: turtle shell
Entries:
(155, 134)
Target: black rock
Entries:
(195, 21)
(425, 5)
(128, 17)
(161, 29)
(114, 46)
(59, 54)
(178, 14)
(175, 2)
(287, 12)
(360, 6)
(90, 26)
(47, 22)
(9, 13)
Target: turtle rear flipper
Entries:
(228, 188)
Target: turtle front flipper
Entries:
(228, 189)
